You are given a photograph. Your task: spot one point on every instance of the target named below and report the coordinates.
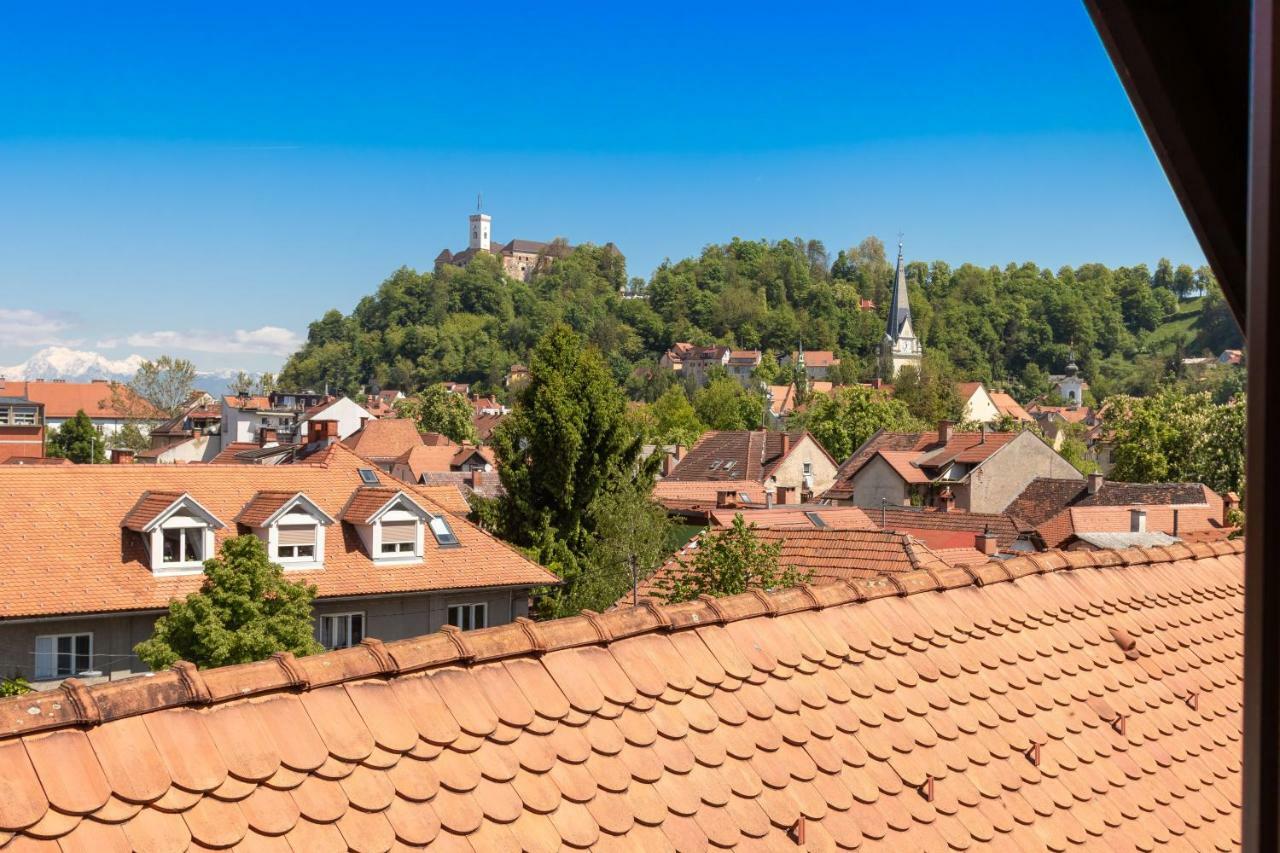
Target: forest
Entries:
(1011, 327)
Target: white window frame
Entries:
(296, 518)
(403, 552)
(468, 613)
(182, 565)
(333, 619)
(50, 670)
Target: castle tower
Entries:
(480, 225)
(899, 347)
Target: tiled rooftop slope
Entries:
(1041, 703)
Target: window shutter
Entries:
(296, 534)
(395, 532)
(45, 667)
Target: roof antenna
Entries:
(479, 202)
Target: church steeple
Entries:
(900, 306)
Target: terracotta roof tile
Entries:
(385, 439)
(926, 450)
(96, 399)
(737, 455)
(108, 570)
(832, 713)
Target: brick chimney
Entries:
(1230, 502)
(325, 431)
(946, 500)
(726, 499)
(986, 542)
(267, 437)
(1095, 482)
(946, 429)
(121, 456)
(786, 443)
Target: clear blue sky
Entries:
(175, 177)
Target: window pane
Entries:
(172, 546)
(195, 543)
(84, 660)
(357, 628)
(326, 631)
(481, 619)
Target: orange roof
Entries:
(64, 399)
(674, 494)
(796, 515)
(249, 401)
(967, 389)
(1075, 707)
(900, 462)
(1006, 405)
(366, 502)
(385, 438)
(829, 554)
(263, 506)
(62, 549)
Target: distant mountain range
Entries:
(82, 366)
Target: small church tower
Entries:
(480, 223)
(900, 347)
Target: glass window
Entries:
(399, 537)
(341, 630)
(296, 542)
(182, 545)
(63, 655)
(469, 616)
(442, 531)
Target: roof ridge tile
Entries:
(184, 685)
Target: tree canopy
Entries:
(727, 562)
(162, 386)
(847, 418)
(78, 440)
(439, 410)
(1176, 436)
(245, 611)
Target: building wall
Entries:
(21, 441)
(994, 484)
(979, 409)
(519, 265)
(200, 448)
(349, 414)
(877, 481)
(386, 617)
(791, 471)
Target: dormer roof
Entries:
(154, 507)
(268, 507)
(367, 505)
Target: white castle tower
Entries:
(899, 347)
(480, 229)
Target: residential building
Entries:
(900, 347)
(947, 527)
(947, 708)
(742, 366)
(21, 429)
(817, 364)
(244, 415)
(349, 416)
(977, 407)
(110, 405)
(673, 358)
(92, 555)
(520, 259)
(441, 458)
(485, 424)
(1097, 513)
(385, 440)
(700, 361)
(971, 471)
(1009, 407)
(792, 461)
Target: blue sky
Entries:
(206, 180)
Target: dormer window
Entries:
(390, 523)
(292, 526)
(177, 532)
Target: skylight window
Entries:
(817, 520)
(369, 477)
(445, 537)
(744, 497)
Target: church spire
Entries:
(900, 307)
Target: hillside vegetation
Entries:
(1008, 326)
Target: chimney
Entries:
(946, 500)
(786, 443)
(121, 456)
(768, 497)
(1175, 521)
(267, 437)
(1230, 503)
(945, 431)
(986, 542)
(726, 499)
(1137, 521)
(1095, 482)
(786, 495)
(681, 450)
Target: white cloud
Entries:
(268, 340)
(22, 327)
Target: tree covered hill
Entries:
(1009, 326)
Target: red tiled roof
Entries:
(385, 439)
(900, 461)
(229, 454)
(752, 455)
(249, 402)
(676, 495)
(62, 549)
(1045, 497)
(264, 505)
(64, 399)
(927, 451)
(816, 358)
(924, 524)
(1075, 707)
(798, 515)
(967, 389)
(1006, 405)
(485, 424)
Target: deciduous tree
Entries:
(245, 611)
(843, 421)
(728, 562)
(78, 440)
(439, 410)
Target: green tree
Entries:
(631, 533)
(129, 437)
(723, 404)
(439, 410)
(245, 611)
(674, 419)
(929, 393)
(728, 562)
(847, 418)
(78, 440)
(161, 387)
(1179, 437)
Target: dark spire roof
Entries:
(899, 308)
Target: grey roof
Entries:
(18, 401)
(1145, 539)
(900, 307)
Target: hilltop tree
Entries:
(674, 419)
(724, 404)
(729, 562)
(78, 440)
(439, 410)
(161, 387)
(245, 611)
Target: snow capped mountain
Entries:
(82, 366)
(66, 363)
